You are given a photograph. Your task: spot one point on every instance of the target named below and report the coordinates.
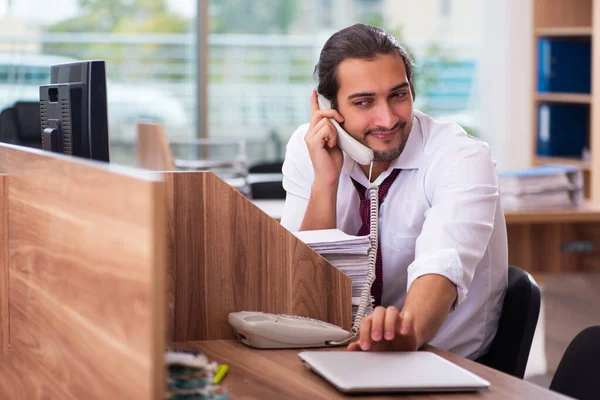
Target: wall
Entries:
(506, 81)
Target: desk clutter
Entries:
(543, 187)
(347, 253)
(190, 375)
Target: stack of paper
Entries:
(549, 186)
(350, 254)
(191, 375)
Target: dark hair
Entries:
(356, 41)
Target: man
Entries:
(443, 260)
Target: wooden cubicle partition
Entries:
(225, 255)
(86, 254)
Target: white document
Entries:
(329, 236)
(347, 253)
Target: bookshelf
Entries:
(571, 21)
(541, 160)
(565, 31)
(576, 98)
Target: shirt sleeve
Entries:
(459, 224)
(298, 176)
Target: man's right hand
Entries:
(321, 140)
(387, 329)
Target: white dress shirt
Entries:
(442, 215)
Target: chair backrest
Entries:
(273, 167)
(21, 124)
(578, 373)
(266, 180)
(510, 348)
(268, 190)
(153, 151)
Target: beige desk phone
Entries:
(280, 331)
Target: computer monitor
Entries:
(74, 117)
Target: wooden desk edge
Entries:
(588, 212)
(501, 385)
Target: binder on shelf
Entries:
(564, 65)
(562, 129)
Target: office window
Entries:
(445, 8)
(260, 56)
(149, 47)
(260, 68)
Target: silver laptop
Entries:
(418, 371)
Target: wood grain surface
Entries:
(4, 294)
(554, 247)
(279, 374)
(588, 212)
(86, 275)
(226, 255)
(562, 13)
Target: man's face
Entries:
(375, 100)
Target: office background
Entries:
(234, 68)
(242, 69)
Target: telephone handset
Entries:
(280, 331)
(356, 150)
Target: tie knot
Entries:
(383, 188)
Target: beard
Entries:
(392, 154)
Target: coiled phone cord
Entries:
(365, 295)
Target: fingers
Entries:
(377, 325)
(365, 333)
(314, 105)
(324, 133)
(380, 328)
(390, 322)
(354, 346)
(406, 324)
(320, 114)
(316, 114)
(329, 135)
(387, 329)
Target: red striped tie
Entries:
(377, 288)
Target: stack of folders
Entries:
(548, 186)
(349, 254)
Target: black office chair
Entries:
(578, 373)
(510, 348)
(267, 189)
(20, 124)
(271, 167)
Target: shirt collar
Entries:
(409, 159)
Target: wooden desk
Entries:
(279, 374)
(560, 240)
(272, 207)
(586, 213)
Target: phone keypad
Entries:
(299, 317)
